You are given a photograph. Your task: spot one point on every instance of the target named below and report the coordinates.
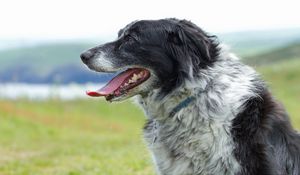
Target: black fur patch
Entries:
(266, 144)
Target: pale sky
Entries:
(79, 19)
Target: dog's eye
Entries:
(128, 38)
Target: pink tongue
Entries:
(113, 85)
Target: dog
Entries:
(207, 112)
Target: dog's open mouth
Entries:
(122, 83)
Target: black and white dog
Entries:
(207, 113)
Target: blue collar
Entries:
(182, 105)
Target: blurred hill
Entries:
(285, 53)
(60, 63)
(47, 63)
(254, 42)
(43, 57)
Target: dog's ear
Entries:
(175, 36)
(191, 47)
(197, 41)
(189, 36)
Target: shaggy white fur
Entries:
(196, 140)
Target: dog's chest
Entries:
(197, 148)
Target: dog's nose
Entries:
(85, 56)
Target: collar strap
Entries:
(182, 105)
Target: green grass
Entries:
(91, 137)
(72, 138)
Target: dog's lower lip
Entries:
(122, 83)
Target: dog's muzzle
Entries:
(86, 56)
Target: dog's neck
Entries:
(168, 106)
(212, 89)
(219, 94)
(203, 123)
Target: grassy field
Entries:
(72, 138)
(92, 137)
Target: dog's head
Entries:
(151, 54)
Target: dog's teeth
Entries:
(134, 77)
(140, 75)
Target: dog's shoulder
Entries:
(262, 133)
